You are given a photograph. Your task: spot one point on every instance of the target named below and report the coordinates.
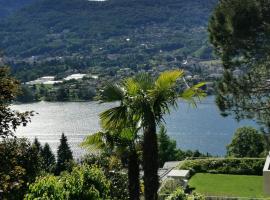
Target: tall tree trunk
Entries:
(150, 159)
(133, 176)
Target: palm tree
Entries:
(123, 141)
(146, 100)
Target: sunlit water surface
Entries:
(199, 128)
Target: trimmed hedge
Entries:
(241, 166)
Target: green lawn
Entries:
(227, 185)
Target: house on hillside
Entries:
(266, 175)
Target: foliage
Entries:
(20, 164)
(243, 166)
(48, 187)
(113, 171)
(84, 182)
(10, 119)
(247, 142)
(178, 194)
(64, 156)
(167, 148)
(222, 185)
(48, 158)
(239, 31)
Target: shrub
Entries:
(247, 142)
(241, 166)
(82, 183)
(178, 194)
(48, 187)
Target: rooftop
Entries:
(178, 173)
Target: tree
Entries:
(48, 158)
(10, 119)
(19, 166)
(113, 170)
(240, 34)
(64, 156)
(37, 144)
(247, 142)
(26, 95)
(123, 141)
(167, 150)
(145, 100)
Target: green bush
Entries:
(82, 183)
(48, 187)
(178, 194)
(241, 166)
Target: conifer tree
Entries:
(48, 158)
(64, 156)
(37, 145)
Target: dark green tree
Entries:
(20, 164)
(167, 149)
(48, 158)
(37, 145)
(10, 119)
(27, 95)
(239, 31)
(64, 156)
(247, 142)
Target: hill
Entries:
(108, 33)
(7, 7)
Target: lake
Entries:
(199, 128)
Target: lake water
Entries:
(199, 128)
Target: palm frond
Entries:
(114, 118)
(145, 81)
(193, 93)
(94, 141)
(168, 79)
(131, 86)
(112, 93)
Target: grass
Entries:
(228, 185)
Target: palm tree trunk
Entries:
(133, 176)
(150, 159)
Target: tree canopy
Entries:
(10, 119)
(247, 142)
(239, 31)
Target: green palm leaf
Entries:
(94, 141)
(114, 118)
(168, 79)
(112, 93)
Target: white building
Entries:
(46, 80)
(74, 76)
(266, 175)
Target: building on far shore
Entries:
(266, 175)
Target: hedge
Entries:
(241, 166)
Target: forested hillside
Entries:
(62, 27)
(7, 7)
(52, 37)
